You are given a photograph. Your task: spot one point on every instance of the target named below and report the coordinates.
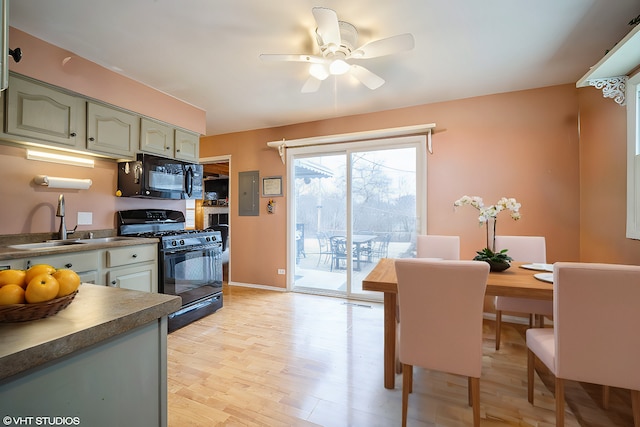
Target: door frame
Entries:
(223, 159)
(417, 141)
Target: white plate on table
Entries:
(545, 277)
(538, 267)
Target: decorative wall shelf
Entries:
(610, 74)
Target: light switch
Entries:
(85, 218)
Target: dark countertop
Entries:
(96, 314)
(7, 252)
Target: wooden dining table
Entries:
(514, 282)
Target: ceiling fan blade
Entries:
(382, 47)
(268, 57)
(366, 77)
(328, 27)
(311, 85)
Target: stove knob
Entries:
(181, 241)
(173, 243)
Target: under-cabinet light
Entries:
(64, 159)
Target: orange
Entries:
(14, 277)
(68, 281)
(38, 269)
(11, 294)
(41, 288)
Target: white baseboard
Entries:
(252, 285)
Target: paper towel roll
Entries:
(59, 182)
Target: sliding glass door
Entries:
(352, 204)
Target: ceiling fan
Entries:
(337, 42)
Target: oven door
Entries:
(192, 274)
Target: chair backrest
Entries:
(596, 318)
(323, 240)
(523, 248)
(381, 245)
(434, 246)
(441, 304)
(338, 245)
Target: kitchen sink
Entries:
(45, 245)
(105, 239)
(50, 244)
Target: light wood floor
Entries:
(284, 359)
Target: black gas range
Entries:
(189, 261)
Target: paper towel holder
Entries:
(59, 182)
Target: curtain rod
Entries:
(354, 136)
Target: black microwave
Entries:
(160, 178)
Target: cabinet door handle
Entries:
(167, 148)
(113, 283)
(72, 134)
(92, 139)
(135, 255)
(178, 150)
(69, 265)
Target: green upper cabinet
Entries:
(156, 137)
(38, 111)
(112, 131)
(187, 146)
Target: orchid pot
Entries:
(498, 261)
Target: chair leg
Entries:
(559, 402)
(605, 396)
(397, 344)
(474, 386)
(531, 358)
(498, 328)
(407, 385)
(635, 405)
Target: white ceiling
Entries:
(206, 52)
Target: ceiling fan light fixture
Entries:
(336, 41)
(338, 67)
(319, 71)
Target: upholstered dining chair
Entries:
(527, 249)
(595, 335)
(435, 246)
(441, 304)
(432, 246)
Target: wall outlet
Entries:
(85, 218)
(281, 271)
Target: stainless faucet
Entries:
(63, 232)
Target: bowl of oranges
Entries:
(35, 293)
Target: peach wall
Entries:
(520, 144)
(43, 61)
(30, 208)
(603, 182)
(258, 243)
